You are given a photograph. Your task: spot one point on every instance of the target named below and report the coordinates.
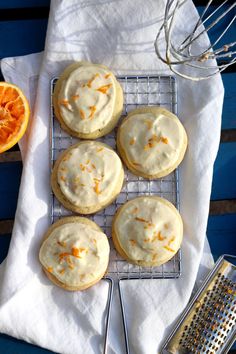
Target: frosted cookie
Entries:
(151, 141)
(74, 253)
(147, 231)
(87, 177)
(88, 100)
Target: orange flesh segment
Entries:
(14, 115)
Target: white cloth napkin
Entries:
(119, 34)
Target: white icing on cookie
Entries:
(86, 99)
(152, 142)
(75, 254)
(89, 174)
(149, 230)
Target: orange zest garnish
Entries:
(168, 248)
(155, 138)
(148, 146)
(133, 242)
(104, 89)
(132, 141)
(64, 103)
(141, 219)
(61, 243)
(135, 210)
(64, 255)
(107, 76)
(76, 252)
(160, 237)
(82, 114)
(164, 140)
(94, 240)
(87, 162)
(50, 269)
(166, 226)
(93, 166)
(89, 84)
(74, 97)
(171, 240)
(92, 111)
(63, 178)
(147, 239)
(96, 187)
(14, 115)
(100, 149)
(82, 167)
(149, 124)
(62, 271)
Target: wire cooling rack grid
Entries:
(138, 91)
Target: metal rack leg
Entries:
(123, 318)
(109, 302)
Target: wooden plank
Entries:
(10, 174)
(6, 227)
(221, 233)
(221, 207)
(10, 156)
(24, 13)
(13, 4)
(229, 107)
(15, 346)
(23, 37)
(224, 186)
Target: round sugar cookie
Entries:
(87, 100)
(74, 253)
(87, 177)
(151, 141)
(147, 231)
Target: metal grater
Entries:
(208, 324)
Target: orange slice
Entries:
(14, 115)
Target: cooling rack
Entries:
(150, 90)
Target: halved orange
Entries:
(14, 115)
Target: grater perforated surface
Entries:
(208, 325)
(138, 91)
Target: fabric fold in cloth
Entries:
(119, 34)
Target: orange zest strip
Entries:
(104, 89)
(169, 249)
(63, 255)
(74, 97)
(82, 114)
(155, 138)
(64, 103)
(89, 84)
(63, 178)
(171, 240)
(93, 166)
(50, 269)
(160, 237)
(141, 219)
(82, 167)
(107, 76)
(147, 239)
(166, 226)
(96, 188)
(133, 242)
(135, 210)
(92, 111)
(94, 240)
(164, 140)
(149, 124)
(76, 252)
(61, 243)
(100, 149)
(132, 141)
(87, 162)
(62, 271)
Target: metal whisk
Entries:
(192, 51)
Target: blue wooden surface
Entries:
(26, 36)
